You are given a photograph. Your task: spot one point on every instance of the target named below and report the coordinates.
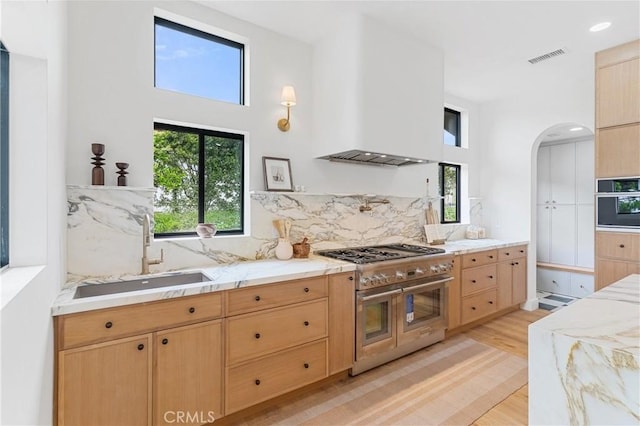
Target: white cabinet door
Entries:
(563, 173)
(585, 172)
(544, 182)
(543, 233)
(585, 225)
(563, 234)
(553, 281)
(581, 284)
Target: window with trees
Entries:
(198, 63)
(450, 190)
(4, 156)
(199, 178)
(452, 126)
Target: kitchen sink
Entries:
(114, 287)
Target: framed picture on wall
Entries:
(277, 174)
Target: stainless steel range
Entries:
(401, 299)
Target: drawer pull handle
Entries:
(473, 308)
(140, 347)
(306, 323)
(165, 341)
(507, 253)
(257, 382)
(521, 251)
(473, 281)
(192, 310)
(257, 298)
(490, 256)
(257, 335)
(621, 245)
(554, 281)
(351, 278)
(517, 263)
(512, 263)
(306, 289)
(491, 302)
(491, 276)
(473, 260)
(109, 324)
(306, 365)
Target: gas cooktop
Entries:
(371, 254)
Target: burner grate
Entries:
(371, 254)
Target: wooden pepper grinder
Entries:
(97, 174)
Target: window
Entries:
(198, 175)
(452, 135)
(198, 63)
(4, 156)
(450, 189)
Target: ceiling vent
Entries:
(547, 56)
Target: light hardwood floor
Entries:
(510, 334)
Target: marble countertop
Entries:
(237, 275)
(584, 360)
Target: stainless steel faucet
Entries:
(146, 242)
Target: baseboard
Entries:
(530, 304)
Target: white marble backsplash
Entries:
(105, 229)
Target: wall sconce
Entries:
(288, 99)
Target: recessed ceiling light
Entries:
(599, 27)
(575, 129)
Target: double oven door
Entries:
(389, 317)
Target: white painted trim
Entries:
(16, 279)
(530, 304)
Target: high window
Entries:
(450, 190)
(197, 63)
(199, 178)
(4, 155)
(452, 133)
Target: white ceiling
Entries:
(486, 44)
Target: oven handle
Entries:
(379, 295)
(415, 287)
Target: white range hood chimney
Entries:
(378, 96)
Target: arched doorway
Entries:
(563, 204)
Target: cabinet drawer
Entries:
(618, 245)
(553, 281)
(259, 380)
(271, 296)
(582, 285)
(108, 324)
(512, 253)
(478, 279)
(253, 335)
(480, 258)
(478, 305)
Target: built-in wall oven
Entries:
(618, 203)
(400, 301)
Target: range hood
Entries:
(359, 156)
(378, 96)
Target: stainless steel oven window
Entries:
(376, 320)
(422, 307)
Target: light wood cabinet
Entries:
(188, 373)
(454, 295)
(618, 93)
(512, 276)
(618, 151)
(106, 384)
(492, 280)
(341, 322)
(617, 255)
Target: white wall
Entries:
(35, 34)
(509, 131)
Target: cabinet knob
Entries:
(507, 254)
(473, 259)
(306, 365)
(491, 277)
(306, 289)
(351, 278)
(257, 382)
(491, 302)
(257, 335)
(192, 310)
(517, 263)
(554, 281)
(140, 347)
(473, 281)
(165, 341)
(257, 298)
(521, 251)
(109, 324)
(306, 323)
(473, 308)
(513, 263)
(490, 256)
(621, 246)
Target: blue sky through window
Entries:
(197, 66)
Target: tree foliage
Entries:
(177, 176)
